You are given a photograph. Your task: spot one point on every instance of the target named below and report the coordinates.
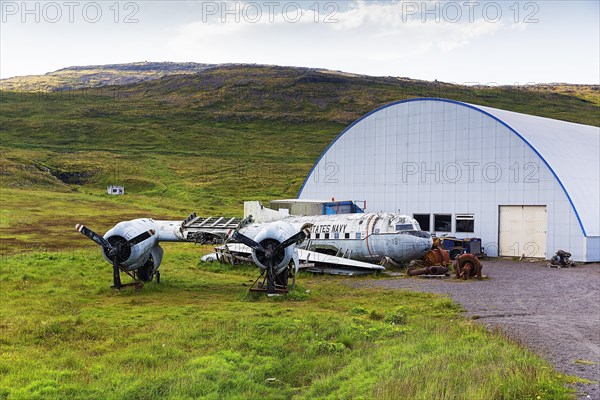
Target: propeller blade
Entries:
(297, 238)
(141, 237)
(116, 274)
(270, 277)
(93, 235)
(248, 242)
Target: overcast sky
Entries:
(486, 42)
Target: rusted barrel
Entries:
(417, 271)
(467, 266)
(437, 270)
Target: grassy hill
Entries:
(207, 141)
(98, 75)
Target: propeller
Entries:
(141, 237)
(93, 235)
(247, 241)
(113, 250)
(270, 250)
(116, 273)
(297, 238)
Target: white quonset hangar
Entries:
(524, 184)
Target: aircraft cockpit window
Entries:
(404, 227)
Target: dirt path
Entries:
(555, 312)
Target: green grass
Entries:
(34, 220)
(584, 362)
(199, 334)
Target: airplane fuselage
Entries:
(362, 237)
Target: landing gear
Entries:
(143, 274)
(274, 284)
(117, 285)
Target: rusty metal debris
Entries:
(387, 262)
(435, 262)
(467, 266)
(562, 259)
(436, 256)
(432, 270)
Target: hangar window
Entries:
(442, 222)
(327, 236)
(358, 235)
(424, 221)
(347, 236)
(465, 223)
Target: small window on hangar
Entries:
(465, 223)
(442, 222)
(424, 221)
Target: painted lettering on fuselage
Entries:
(336, 228)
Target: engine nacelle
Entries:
(133, 257)
(270, 237)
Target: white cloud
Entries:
(369, 31)
(371, 37)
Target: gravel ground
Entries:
(554, 312)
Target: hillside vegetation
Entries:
(91, 76)
(207, 141)
(305, 86)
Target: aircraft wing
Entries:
(238, 248)
(314, 257)
(307, 256)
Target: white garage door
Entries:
(522, 231)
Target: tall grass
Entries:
(199, 334)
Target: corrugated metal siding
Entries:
(438, 156)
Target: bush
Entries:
(329, 347)
(359, 311)
(398, 316)
(376, 315)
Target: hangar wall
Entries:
(435, 156)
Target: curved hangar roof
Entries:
(571, 152)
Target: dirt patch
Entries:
(58, 233)
(554, 312)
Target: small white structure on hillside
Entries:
(116, 190)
